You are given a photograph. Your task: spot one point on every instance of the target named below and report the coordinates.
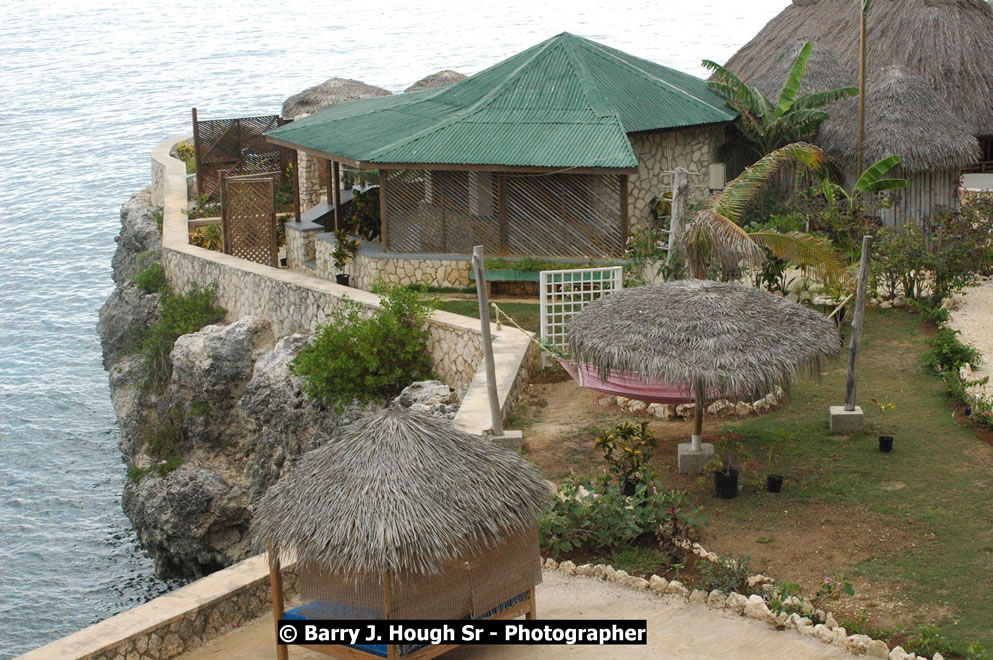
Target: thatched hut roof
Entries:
(738, 340)
(949, 43)
(824, 71)
(903, 116)
(328, 93)
(402, 492)
(443, 78)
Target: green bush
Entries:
(594, 515)
(948, 354)
(627, 449)
(727, 574)
(900, 260)
(368, 358)
(928, 641)
(151, 279)
(164, 437)
(181, 314)
(136, 474)
(362, 214)
(185, 152)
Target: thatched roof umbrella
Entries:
(905, 117)
(442, 78)
(824, 71)
(949, 43)
(328, 93)
(727, 338)
(399, 492)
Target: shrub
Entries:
(151, 279)
(948, 354)
(362, 214)
(727, 574)
(368, 359)
(210, 237)
(157, 215)
(900, 260)
(627, 449)
(181, 315)
(593, 515)
(136, 474)
(185, 152)
(164, 437)
(929, 641)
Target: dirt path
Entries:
(972, 315)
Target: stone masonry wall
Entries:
(311, 188)
(661, 151)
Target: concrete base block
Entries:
(846, 421)
(510, 439)
(692, 462)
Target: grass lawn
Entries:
(527, 315)
(912, 530)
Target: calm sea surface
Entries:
(87, 89)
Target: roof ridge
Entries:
(601, 50)
(590, 90)
(469, 110)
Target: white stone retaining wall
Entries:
(300, 243)
(662, 151)
(185, 619)
(311, 187)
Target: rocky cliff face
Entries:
(231, 420)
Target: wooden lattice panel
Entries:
(248, 216)
(237, 146)
(569, 215)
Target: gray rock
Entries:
(427, 393)
(676, 588)
(878, 649)
(124, 316)
(658, 584)
(568, 567)
(859, 644)
(755, 608)
(717, 600)
(217, 359)
(192, 521)
(698, 596)
(736, 603)
(139, 235)
(274, 394)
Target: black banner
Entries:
(464, 631)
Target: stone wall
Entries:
(662, 151)
(300, 243)
(312, 184)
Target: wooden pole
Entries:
(502, 212)
(677, 217)
(696, 441)
(296, 183)
(853, 345)
(383, 238)
(196, 153)
(484, 320)
(863, 10)
(276, 584)
(623, 194)
(336, 185)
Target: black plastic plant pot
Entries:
(726, 485)
(774, 483)
(341, 279)
(886, 443)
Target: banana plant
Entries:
(871, 181)
(793, 117)
(715, 236)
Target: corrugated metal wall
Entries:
(447, 212)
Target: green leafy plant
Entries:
(363, 214)
(883, 407)
(361, 357)
(644, 252)
(927, 641)
(948, 354)
(345, 249)
(729, 453)
(637, 560)
(185, 153)
(158, 214)
(627, 449)
(210, 237)
(727, 574)
(793, 117)
(161, 469)
(204, 208)
(151, 278)
(532, 265)
(181, 314)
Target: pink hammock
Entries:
(627, 384)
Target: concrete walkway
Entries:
(676, 630)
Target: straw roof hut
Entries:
(399, 492)
(824, 71)
(443, 78)
(949, 43)
(734, 340)
(903, 116)
(328, 93)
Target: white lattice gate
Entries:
(565, 293)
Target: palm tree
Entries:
(794, 117)
(714, 236)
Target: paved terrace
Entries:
(677, 630)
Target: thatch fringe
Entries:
(328, 93)
(949, 43)
(400, 492)
(740, 341)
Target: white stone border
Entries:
(753, 607)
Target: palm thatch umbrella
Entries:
(399, 492)
(824, 71)
(949, 43)
(731, 340)
(442, 78)
(904, 116)
(328, 93)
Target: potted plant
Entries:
(345, 250)
(627, 449)
(885, 441)
(728, 454)
(774, 481)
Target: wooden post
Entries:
(677, 215)
(502, 212)
(863, 10)
(296, 183)
(276, 584)
(392, 651)
(336, 185)
(496, 418)
(853, 346)
(196, 153)
(696, 440)
(623, 194)
(383, 238)
(532, 606)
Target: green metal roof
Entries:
(566, 102)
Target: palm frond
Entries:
(802, 250)
(737, 87)
(821, 99)
(888, 184)
(875, 172)
(792, 86)
(734, 199)
(712, 237)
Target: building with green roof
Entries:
(555, 151)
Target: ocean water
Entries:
(87, 89)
